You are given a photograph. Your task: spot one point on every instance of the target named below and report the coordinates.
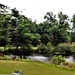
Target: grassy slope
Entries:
(33, 68)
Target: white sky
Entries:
(36, 9)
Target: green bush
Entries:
(64, 48)
(6, 57)
(57, 60)
(49, 48)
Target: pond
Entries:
(38, 58)
(69, 59)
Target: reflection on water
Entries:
(39, 58)
(69, 59)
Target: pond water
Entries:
(69, 59)
(39, 58)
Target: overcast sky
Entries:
(36, 9)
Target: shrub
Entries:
(6, 57)
(70, 65)
(57, 60)
(64, 48)
(1, 58)
(49, 48)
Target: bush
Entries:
(1, 58)
(70, 65)
(49, 48)
(64, 48)
(6, 57)
(57, 60)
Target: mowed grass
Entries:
(33, 68)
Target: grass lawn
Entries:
(33, 68)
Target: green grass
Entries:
(33, 68)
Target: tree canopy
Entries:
(19, 31)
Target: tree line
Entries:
(19, 35)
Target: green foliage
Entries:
(57, 29)
(37, 37)
(28, 36)
(51, 19)
(72, 36)
(8, 47)
(64, 48)
(73, 21)
(49, 49)
(15, 12)
(45, 38)
(57, 60)
(4, 28)
(18, 30)
(5, 57)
